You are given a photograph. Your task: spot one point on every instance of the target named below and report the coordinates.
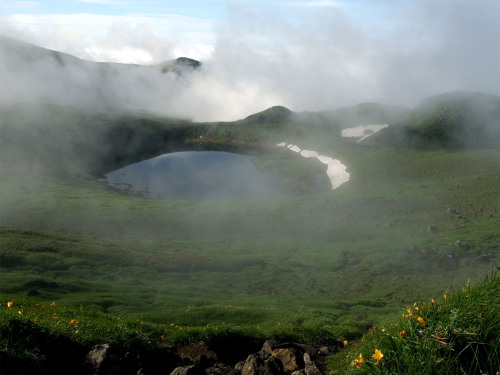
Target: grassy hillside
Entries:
(457, 333)
(457, 119)
(410, 224)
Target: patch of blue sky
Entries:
(363, 12)
(213, 9)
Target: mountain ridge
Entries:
(453, 119)
(32, 52)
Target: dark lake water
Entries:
(195, 176)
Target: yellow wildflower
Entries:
(73, 322)
(9, 304)
(377, 355)
(53, 304)
(345, 343)
(421, 320)
(359, 361)
(402, 333)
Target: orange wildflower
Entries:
(359, 361)
(377, 355)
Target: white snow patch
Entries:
(294, 148)
(336, 171)
(309, 153)
(362, 132)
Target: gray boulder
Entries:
(198, 353)
(102, 360)
(262, 363)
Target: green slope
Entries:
(456, 119)
(319, 262)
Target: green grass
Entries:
(32, 331)
(456, 334)
(316, 262)
(128, 255)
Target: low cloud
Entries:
(151, 38)
(326, 60)
(260, 57)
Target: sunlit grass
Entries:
(458, 333)
(31, 330)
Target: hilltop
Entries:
(36, 74)
(456, 119)
(27, 53)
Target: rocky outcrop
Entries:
(102, 360)
(227, 356)
(291, 355)
(198, 353)
(262, 363)
(187, 370)
(230, 355)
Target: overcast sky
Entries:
(152, 30)
(304, 54)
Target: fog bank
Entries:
(324, 59)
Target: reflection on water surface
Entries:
(195, 176)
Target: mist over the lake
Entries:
(195, 176)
